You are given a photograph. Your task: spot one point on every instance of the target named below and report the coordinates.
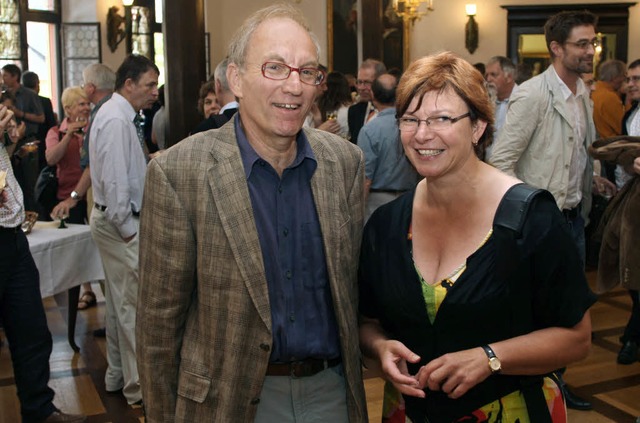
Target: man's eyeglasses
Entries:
(436, 123)
(635, 79)
(584, 44)
(279, 71)
(363, 82)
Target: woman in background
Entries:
(64, 143)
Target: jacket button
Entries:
(265, 347)
(255, 401)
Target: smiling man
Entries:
(118, 168)
(549, 127)
(249, 242)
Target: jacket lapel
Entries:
(231, 198)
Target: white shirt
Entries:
(118, 163)
(578, 116)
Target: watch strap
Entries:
(489, 352)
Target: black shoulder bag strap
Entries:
(508, 223)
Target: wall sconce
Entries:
(115, 33)
(471, 29)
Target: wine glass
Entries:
(82, 119)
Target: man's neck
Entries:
(505, 95)
(570, 78)
(99, 95)
(380, 106)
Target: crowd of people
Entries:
(431, 223)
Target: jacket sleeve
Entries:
(521, 122)
(167, 282)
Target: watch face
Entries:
(495, 365)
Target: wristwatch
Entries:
(75, 195)
(494, 361)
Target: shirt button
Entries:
(255, 401)
(285, 231)
(292, 318)
(265, 347)
(280, 190)
(288, 274)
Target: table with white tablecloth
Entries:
(65, 258)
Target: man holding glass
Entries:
(249, 243)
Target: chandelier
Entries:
(409, 10)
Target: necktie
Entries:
(138, 121)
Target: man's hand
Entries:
(636, 165)
(603, 186)
(61, 210)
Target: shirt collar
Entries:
(125, 105)
(250, 157)
(581, 90)
(231, 105)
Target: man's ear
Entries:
(556, 49)
(234, 79)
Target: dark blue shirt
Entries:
(302, 316)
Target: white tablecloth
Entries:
(64, 257)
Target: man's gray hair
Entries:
(99, 75)
(220, 74)
(240, 41)
(378, 67)
(506, 65)
(611, 69)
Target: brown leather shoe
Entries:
(59, 416)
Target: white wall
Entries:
(442, 29)
(84, 11)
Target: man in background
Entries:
(363, 111)
(32, 81)
(500, 73)
(549, 126)
(118, 166)
(388, 172)
(225, 98)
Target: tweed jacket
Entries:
(536, 142)
(204, 323)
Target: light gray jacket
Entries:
(536, 141)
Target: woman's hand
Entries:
(455, 373)
(75, 125)
(393, 357)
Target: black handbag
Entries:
(46, 191)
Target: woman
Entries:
(431, 295)
(335, 102)
(207, 100)
(64, 143)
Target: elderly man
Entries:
(500, 74)
(549, 127)
(249, 242)
(363, 111)
(118, 166)
(24, 319)
(225, 98)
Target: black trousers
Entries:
(25, 325)
(632, 331)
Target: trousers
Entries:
(120, 261)
(25, 325)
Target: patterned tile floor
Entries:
(78, 378)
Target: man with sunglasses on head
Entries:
(249, 243)
(549, 126)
